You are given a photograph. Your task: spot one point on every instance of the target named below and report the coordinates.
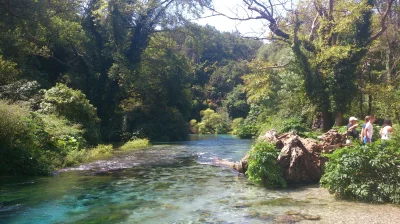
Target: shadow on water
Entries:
(171, 184)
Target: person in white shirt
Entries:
(369, 130)
(386, 130)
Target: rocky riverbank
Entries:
(300, 158)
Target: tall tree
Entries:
(328, 49)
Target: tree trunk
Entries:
(389, 63)
(327, 120)
(369, 104)
(361, 106)
(339, 119)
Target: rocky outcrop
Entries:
(298, 162)
(300, 158)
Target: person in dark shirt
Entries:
(352, 128)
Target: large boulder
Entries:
(300, 158)
(298, 163)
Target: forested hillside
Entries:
(78, 73)
(74, 74)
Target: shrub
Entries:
(22, 90)
(33, 143)
(242, 129)
(100, 151)
(73, 105)
(75, 157)
(237, 124)
(8, 71)
(295, 124)
(365, 173)
(135, 144)
(262, 168)
(162, 124)
(194, 129)
(25, 147)
(213, 123)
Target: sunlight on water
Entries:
(175, 183)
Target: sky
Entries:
(251, 28)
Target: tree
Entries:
(73, 105)
(327, 49)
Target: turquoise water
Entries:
(177, 183)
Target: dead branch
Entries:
(383, 21)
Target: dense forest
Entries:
(78, 75)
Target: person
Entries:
(386, 130)
(366, 120)
(369, 130)
(352, 129)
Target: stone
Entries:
(287, 219)
(298, 164)
(242, 205)
(292, 213)
(300, 158)
(253, 215)
(311, 217)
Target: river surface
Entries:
(176, 183)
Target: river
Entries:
(175, 183)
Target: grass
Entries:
(75, 157)
(135, 144)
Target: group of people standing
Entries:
(367, 130)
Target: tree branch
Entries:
(275, 66)
(383, 21)
(313, 27)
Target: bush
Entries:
(365, 173)
(262, 168)
(73, 105)
(164, 125)
(236, 124)
(135, 144)
(76, 156)
(211, 123)
(100, 151)
(25, 147)
(194, 129)
(36, 144)
(243, 130)
(295, 124)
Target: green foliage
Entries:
(37, 144)
(211, 123)
(136, 144)
(236, 103)
(25, 147)
(242, 129)
(77, 156)
(225, 78)
(365, 173)
(73, 105)
(8, 71)
(100, 151)
(328, 61)
(22, 90)
(295, 124)
(262, 168)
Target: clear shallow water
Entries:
(174, 184)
